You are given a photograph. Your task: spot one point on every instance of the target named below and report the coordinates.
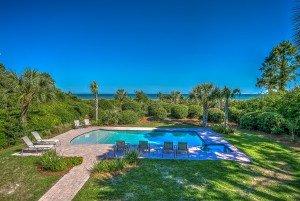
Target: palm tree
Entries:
(34, 86)
(175, 96)
(227, 94)
(121, 95)
(95, 90)
(141, 97)
(204, 93)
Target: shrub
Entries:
(44, 122)
(271, 122)
(234, 114)
(112, 165)
(166, 106)
(105, 104)
(128, 117)
(194, 111)
(179, 111)
(132, 157)
(50, 161)
(249, 121)
(108, 117)
(222, 129)
(131, 105)
(215, 115)
(157, 111)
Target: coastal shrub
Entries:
(108, 117)
(194, 111)
(105, 104)
(50, 161)
(235, 114)
(157, 111)
(215, 115)
(128, 117)
(132, 105)
(249, 121)
(179, 111)
(271, 122)
(111, 165)
(132, 157)
(222, 129)
(166, 106)
(44, 122)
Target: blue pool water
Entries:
(133, 137)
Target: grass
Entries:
(273, 175)
(20, 178)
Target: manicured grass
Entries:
(273, 175)
(20, 178)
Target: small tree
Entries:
(95, 90)
(227, 94)
(204, 93)
(175, 97)
(121, 95)
(34, 86)
(141, 97)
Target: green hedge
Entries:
(249, 121)
(128, 117)
(179, 111)
(271, 122)
(195, 111)
(234, 114)
(215, 115)
(157, 111)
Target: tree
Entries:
(204, 93)
(268, 79)
(121, 95)
(175, 96)
(95, 90)
(280, 67)
(140, 96)
(34, 86)
(227, 94)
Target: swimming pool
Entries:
(154, 137)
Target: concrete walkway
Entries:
(68, 186)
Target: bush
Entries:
(166, 106)
(157, 111)
(108, 117)
(194, 111)
(215, 115)
(50, 161)
(222, 129)
(45, 122)
(105, 104)
(132, 157)
(271, 122)
(249, 121)
(179, 111)
(112, 165)
(128, 117)
(131, 105)
(234, 114)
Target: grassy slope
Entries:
(20, 179)
(273, 175)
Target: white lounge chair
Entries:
(35, 147)
(77, 124)
(39, 140)
(86, 122)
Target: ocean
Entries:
(154, 96)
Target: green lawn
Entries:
(273, 175)
(20, 178)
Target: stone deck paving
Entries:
(68, 186)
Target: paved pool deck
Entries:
(68, 186)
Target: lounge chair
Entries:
(35, 147)
(86, 122)
(168, 148)
(120, 146)
(39, 140)
(77, 124)
(182, 148)
(144, 146)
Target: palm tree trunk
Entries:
(226, 108)
(24, 112)
(96, 106)
(205, 114)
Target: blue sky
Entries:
(152, 45)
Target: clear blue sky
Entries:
(153, 45)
